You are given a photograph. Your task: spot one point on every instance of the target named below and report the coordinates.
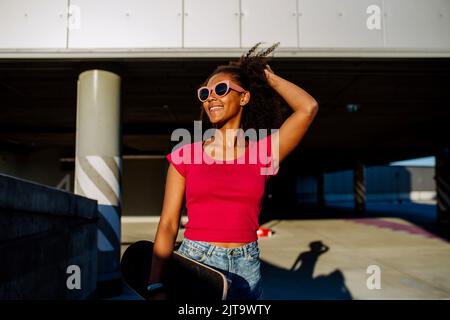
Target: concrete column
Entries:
(443, 185)
(320, 189)
(98, 164)
(359, 187)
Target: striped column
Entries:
(443, 185)
(98, 167)
(359, 187)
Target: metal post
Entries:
(359, 187)
(443, 185)
(98, 166)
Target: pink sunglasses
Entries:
(220, 89)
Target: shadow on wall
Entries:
(299, 282)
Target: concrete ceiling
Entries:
(404, 105)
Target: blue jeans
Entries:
(241, 266)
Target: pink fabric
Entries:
(223, 200)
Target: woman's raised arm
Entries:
(293, 129)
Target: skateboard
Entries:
(185, 278)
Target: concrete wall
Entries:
(143, 186)
(42, 166)
(383, 183)
(44, 231)
(143, 180)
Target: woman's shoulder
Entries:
(185, 152)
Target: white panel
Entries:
(418, 23)
(269, 21)
(332, 23)
(127, 24)
(211, 23)
(33, 24)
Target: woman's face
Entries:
(220, 110)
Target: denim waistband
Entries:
(209, 248)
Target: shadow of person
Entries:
(331, 286)
(309, 259)
(299, 281)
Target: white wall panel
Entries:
(418, 23)
(420, 26)
(33, 24)
(269, 21)
(211, 23)
(127, 24)
(337, 23)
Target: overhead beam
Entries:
(222, 53)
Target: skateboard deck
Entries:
(185, 278)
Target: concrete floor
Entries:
(329, 258)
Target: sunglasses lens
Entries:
(203, 94)
(221, 89)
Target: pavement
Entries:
(392, 252)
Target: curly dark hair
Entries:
(263, 110)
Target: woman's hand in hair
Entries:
(270, 75)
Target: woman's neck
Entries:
(227, 137)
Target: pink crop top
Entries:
(224, 198)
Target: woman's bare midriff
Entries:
(229, 244)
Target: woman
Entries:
(223, 199)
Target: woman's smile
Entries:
(216, 109)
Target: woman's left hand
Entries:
(270, 75)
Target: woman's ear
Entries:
(245, 98)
